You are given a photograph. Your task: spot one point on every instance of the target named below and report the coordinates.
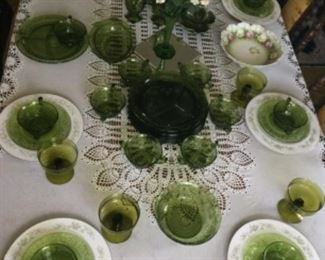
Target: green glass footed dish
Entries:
(143, 150)
(187, 213)
(111, 40)
(198, 152)
(198, 72)
(107, 101)
(52, 38)
(281, 250)
(258, 8)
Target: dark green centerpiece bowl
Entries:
(187, 213)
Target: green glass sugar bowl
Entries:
(187, 213)
(143, 150)
(198, 72)
(107, 101)
(37, 117)
(281, 250)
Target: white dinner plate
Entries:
(89, 234)
(256, 227)
(12, 148)
(233, 10)
(305, 145)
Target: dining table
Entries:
(248, 179)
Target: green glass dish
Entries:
(187, 213)
(224, 113)
(281, 250)
(303, 198)
(134, 71)
(37, 40)
(143, 150)
(107, 101)
(37, 117)
(111, 40)
(198, 152)
(58, 246)
(198, 72)
(24, 139)
(134, 7)
(258, 8)
(266, 120)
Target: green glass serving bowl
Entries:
(198, 72)
(107, 101)
(187, 213)
(143, 150)
(198, 152)
(281, 250)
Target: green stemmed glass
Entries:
(224, 113)
(38, 117)
(118, 215)
(107, 101)
(303, 198)
(134, 7)
(198, 152)
(198, 72)
(58, 161)
(289, 116)
(281, 250)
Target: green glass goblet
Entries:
(58, 161)
(303, 198)
(107, 101)
(134, 7)
(281, 250)
(224, 113)
(37, 117)
(54, 252)
(250, 82)
(289, 116)
(198, 72)
(118, 215)
(254, 3)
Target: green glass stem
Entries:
(163, 49)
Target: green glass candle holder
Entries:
(134, 7)
(281, 250)
(118, 215)
(303, 198)
(107, 101)
(58, 161)
(198, 72)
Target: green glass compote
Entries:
(107, 101)
(58, 160)
(303, 198)
(250, 82)
(54, 252)
(198, 72)
(134, 71)
(224, 113)
(70, 31)
(198, 152)
(38, 117)
(289, 116)
(118, 215)
(134, 7)
(281, 250)
(143, 150)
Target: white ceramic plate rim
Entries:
(305, 145)
(93, 238)
(232, 9)
(29, 155)
(239, 239)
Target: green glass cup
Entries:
(118, 215)
(281, 250)
(54, 252)
(198, 72)
(58, 161)
(303, 198)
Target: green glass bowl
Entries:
(143, 150)
(187, 213)
(281, 250)
(198, 72)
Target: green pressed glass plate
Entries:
(24, 139)
(36, 40)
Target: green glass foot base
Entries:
(287, 213)
(60, 178)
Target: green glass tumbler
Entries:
(281, 250)
(58, 161)
(118, 215)
(303, 198)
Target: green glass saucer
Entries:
(37, 40)
(265, 119)
(24, 139)
(263, 11)
(187, 213)
(58, 246)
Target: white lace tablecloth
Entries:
(247, 178)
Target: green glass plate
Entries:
(265, 118)
(263, 11)
(36, 40)
(72, 242)
(24, 139)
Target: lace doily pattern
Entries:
(226, 176)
